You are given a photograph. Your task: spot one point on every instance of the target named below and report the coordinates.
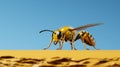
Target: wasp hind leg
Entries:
(95, 48)
(85, 46)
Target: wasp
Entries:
(68, 33)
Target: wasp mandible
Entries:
(68, 33)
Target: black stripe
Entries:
(83, 33)
(77, 37)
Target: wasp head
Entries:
(56, 36)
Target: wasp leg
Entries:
(59, 45)
(96, 48)
(85, 46)
(72, 43)
(48, 45)
(60, 48)
(72, 46)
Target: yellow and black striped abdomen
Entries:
(86, 38)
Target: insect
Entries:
(68, 33)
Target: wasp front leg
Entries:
(60, 45)
(48, 45)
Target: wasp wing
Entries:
(86, 26)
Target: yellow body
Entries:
(65, 29)
(69, 35)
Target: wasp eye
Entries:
(59, 35)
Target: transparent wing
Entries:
(86, 26)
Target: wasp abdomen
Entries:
(86, 38)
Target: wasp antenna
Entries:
(46, 30)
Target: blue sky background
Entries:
(21, 21)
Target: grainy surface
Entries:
(58, 58)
